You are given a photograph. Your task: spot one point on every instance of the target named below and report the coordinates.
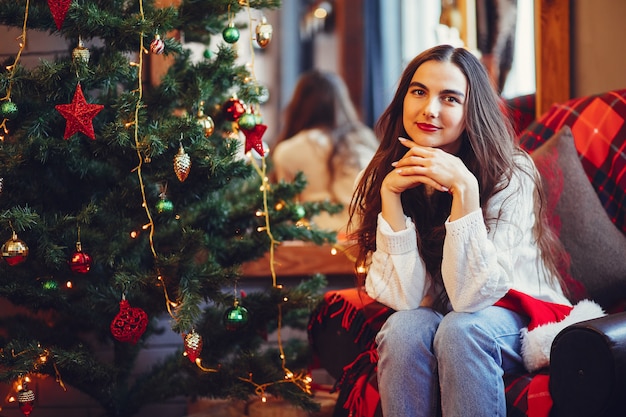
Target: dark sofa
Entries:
(580, 150)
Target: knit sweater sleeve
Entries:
(397, 275)
(484, 258)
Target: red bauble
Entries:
(80, 262)
(59, 9)
(193, 345)
(79, 115)
(233, 109)
(129, 324)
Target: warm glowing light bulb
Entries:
(69, 285)
(333, 251)
(320, 13)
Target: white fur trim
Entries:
(536, 343)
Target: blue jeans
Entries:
(453, 365)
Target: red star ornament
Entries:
(79, 115)
(253, 138)
(59, 9)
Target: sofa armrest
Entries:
(588, 368)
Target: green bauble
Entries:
(231, 34)
(8, 110)
(247, 121)
(164, 206)
(50, 285)
(298, 212)
(207, 54)
(236, 318)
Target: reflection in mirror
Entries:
(501, 30)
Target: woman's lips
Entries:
(427, 127)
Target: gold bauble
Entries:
(81, 54)
(263, 33)
(14, 251)
(207, 123)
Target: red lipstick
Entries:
(427, 127)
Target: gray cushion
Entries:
(596, 246)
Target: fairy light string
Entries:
(139, 169)
(13, 68)
(302, 380)
(138, 147)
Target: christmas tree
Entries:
(123, 200)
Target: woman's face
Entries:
(433, 113)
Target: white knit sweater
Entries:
(479, 266)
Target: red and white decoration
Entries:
(546, 321)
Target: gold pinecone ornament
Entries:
(182, 164)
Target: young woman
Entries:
(450, 220)
(323, 138)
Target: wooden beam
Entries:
(469, 30)
(552, 53)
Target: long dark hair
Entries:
(321, 100)
(488, 150)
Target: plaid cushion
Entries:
(522, 111)
(597, 123)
